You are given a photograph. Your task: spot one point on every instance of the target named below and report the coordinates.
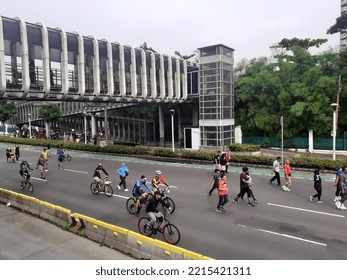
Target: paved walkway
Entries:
(23, 236)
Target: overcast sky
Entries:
(248, 26)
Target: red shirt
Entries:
(287, 170)
(222, 187)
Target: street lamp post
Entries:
(282, 138)
(85, 126)
(29, 118)
(172, 113)
(334, 108)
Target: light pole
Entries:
(334, 108)
(282, 138)
(172, 113)
(29, 118)
(85, 125)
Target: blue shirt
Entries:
(123, 171)
(138, 188)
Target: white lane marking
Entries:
(39, 179)
(306, 210)
(121, 196)
(77, 171)
(286, 235)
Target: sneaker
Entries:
(251, 204)
(235, 201)
(339, 198)
(288, 189)
(270, 182)
(343, 207)
(284, 188)
(218, 210)
(256, 200)
(336, 198)
(319, 201)
(209, 194)
(118, 187)
(44, 178)
(221, 207)
(338, 204)
(46, 170)
(311, 198)
(126, 190)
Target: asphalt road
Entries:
(283, 225)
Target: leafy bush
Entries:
(162, 152)
(197, 155)
(265, 143)
(288, 144)
(244, 147)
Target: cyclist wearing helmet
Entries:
(152, 210)
(157, 179)
(24, 170)
(138, 191)
(97, 173)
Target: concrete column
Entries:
(93, 124)
(123, 127)
(179, 127)
(161, 126)
(310, 140)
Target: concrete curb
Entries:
(113, 236)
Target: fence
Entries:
(299, 142)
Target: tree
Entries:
(304, 43)
(340, 25)
(7, 110)
(49, 113)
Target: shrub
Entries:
(162, 152)
(265, 143)
(197, 155)
(244, 147)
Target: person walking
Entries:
(342, 184)
(244, 187)
(215, 183)
(61, 156)
(16, 151)
(223, 163)
(41, 166)
(276, 169)
(227, 157)
(216, 161)
(8, 153)
(317, 186)
(250, 186)
(123, 172)
(223, 193)
(287, 176)
(337, 193)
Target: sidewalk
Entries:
(25, 237)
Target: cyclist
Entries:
(157, 179)
(24, 169)
(97, 174)
(139, 193)
(152, 210)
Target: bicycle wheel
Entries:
(142, 226)
(131, 205)
(94, 188)
(171, 234)
(30, 187)
(171, 204)
(68, 157)
(108, 190)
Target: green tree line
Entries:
(294, 84)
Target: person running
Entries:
(276, 169)
(287, 176)
(215, 183)
(139, 193)
(157, 179)
(152, 210)
(222, 193)
(41, 166)
(24, 169)
(123, 172)
(337, 193)
(317, 186)
(97, 173)
(61, 156)
(45, 155)
(244, 187)
(342, 183)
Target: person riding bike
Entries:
(97, 174)
(139, 193)
(152, 210)
(24, 169)
(157, 179)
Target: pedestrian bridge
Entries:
(43, 63)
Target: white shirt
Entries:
(276, 166)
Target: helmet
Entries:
(99, 164)
(158, 172)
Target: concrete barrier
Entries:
(113, 236)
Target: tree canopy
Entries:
(340, 25)
(7, 110)
(304, 43)
(49, 113)
(294, 84)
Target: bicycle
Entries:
(27, 183)
(170, 232)
(104, 186)
(131, 204)
(169, 201)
